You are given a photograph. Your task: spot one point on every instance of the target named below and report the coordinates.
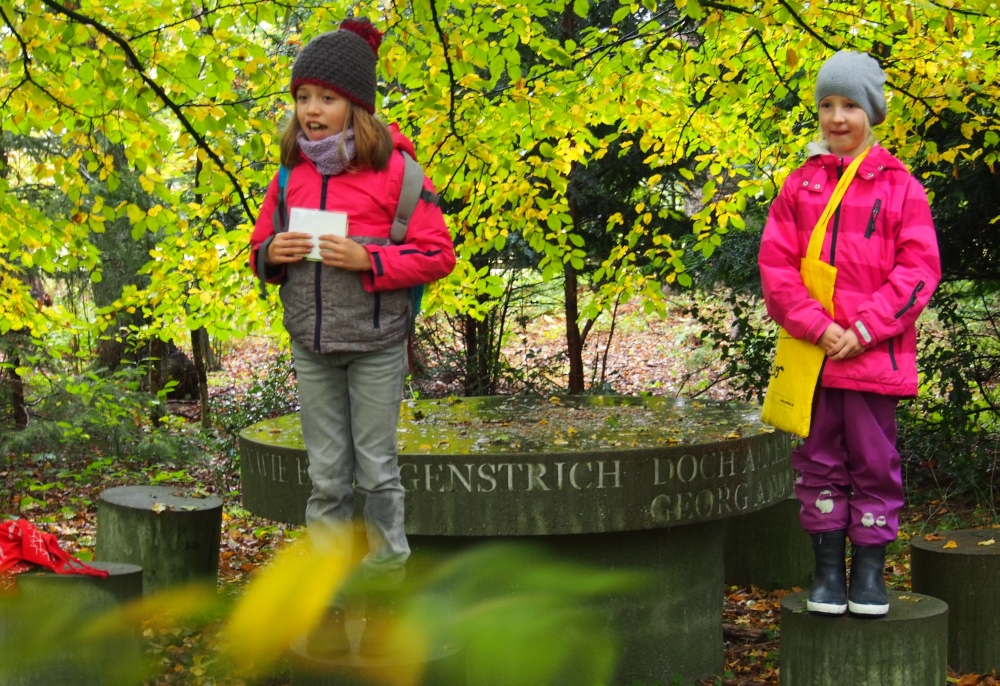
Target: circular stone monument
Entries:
(614, 481)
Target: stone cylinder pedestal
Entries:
(907, 647)
(173, 535)
(967, 577)
(618, 483)
(768, 549)
(49, 629)
(443, 665)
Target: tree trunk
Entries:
(574, 341)
(157, 354)
(17, 393)
(478, 346)
(199, 343)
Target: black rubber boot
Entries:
(828, 594)
(328, 637)
(380, 623)
(868, 597)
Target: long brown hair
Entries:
(372, 140)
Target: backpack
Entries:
(411, 192)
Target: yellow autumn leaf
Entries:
(950, 545)
(992, 541)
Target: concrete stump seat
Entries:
(908, 647)
(768, 549)
(173, 534)
(965, 575)
(58, 606)
(614, 482)
(444, 666)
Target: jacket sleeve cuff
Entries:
(272, 273)
(863, 333)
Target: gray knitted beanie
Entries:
(342, 60)
(857, 76)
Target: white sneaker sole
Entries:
(825, 608)
(867, 610)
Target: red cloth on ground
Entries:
(22, 546)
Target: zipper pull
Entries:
(871, 221)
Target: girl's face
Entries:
(321, 112)
(844, 125)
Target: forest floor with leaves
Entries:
(664, 357)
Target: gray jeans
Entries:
(350, 411)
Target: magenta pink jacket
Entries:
(327, 309)
(882, 241)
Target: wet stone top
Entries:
(501, 425)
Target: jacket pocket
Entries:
(874, 216)
(913, 299)
(378, 306)
(892, 355)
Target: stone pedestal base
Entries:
(44, 628)
(444, 666)
(908, 647)
(768, 549)
(671, 629)
(172, 535)
(968, 579)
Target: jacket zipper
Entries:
(836, 217)
(913, 298)
(871, 221)
(892, 356)
(317, 281)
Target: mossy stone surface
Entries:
(768, 548)
(173, 534)
(504, 466)
(907, 647)
(967, 577)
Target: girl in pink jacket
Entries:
(349, 314)
(881, 240)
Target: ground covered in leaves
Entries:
(663, 357)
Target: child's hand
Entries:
(847, 347)
(830, 337)
(288, 247)
(344, 253)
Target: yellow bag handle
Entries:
(819, 231)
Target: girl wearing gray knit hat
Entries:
(851, 100)
(879, 244)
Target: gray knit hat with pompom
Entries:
(343, 61)
(857, 76)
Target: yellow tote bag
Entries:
(797, 363)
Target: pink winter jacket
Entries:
(327, 309)
(882, 242)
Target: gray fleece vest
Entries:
(328, 310)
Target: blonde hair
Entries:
(372, 141)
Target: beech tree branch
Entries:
(136, 64)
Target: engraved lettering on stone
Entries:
(731, 463)
(486, 477)
(465, 480)
(534, 479)
(559, 474)
(601, 473)
(414, 481)
(657, 480)
(703, 503)
(302, 472)
(428, 477)
(572, 476)
(682, 467)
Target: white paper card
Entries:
(317, 223)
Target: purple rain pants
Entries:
(850, 470)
